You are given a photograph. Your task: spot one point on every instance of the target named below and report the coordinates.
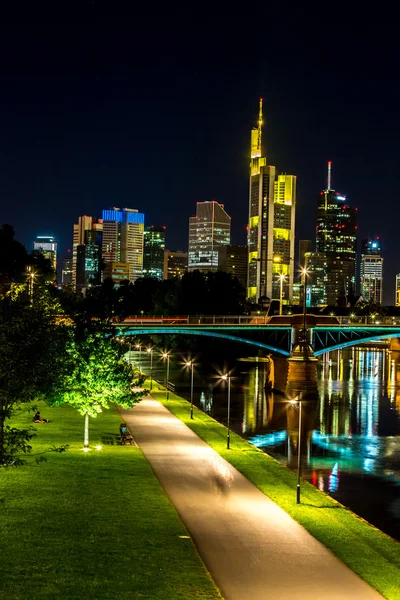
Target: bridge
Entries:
(278, 335)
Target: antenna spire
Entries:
(260, 124)
(329, 174)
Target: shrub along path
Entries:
(95, 525)
(366, 550)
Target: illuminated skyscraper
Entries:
(282, 257)
(316, 265)
(336, 239)
(47, 245)
(398, 290)
(66, 273)
(208, 230)
(233, 260)
(371, 271)
(270, 237)
(84, 224)
(88, 260)
(123, 240)
(153, 257)
(175, 264)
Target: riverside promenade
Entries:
(251, 547)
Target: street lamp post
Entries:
(281, 280)
(150, 351)
(305, 273)
(165, 355)
(228, 436)
(298, 402)
(31, 276)
(190, 363)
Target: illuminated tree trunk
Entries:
(86, 434)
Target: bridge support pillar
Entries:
(302, 372)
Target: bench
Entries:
(126, 436)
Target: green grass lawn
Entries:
(92, 526)
(366, 550)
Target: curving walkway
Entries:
(251, 547)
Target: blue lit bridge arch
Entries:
(273, 339)
(326, 339)
(277, 339)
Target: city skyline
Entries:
(147, 132)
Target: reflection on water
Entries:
(350, 438)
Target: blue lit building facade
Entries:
(123, 240)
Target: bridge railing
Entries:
(221, 320)
(198, 320)
(368, 320)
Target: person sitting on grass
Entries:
(38, 419)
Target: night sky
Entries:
(155, 114)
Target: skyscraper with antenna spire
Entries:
(270, 236)
(336, 243)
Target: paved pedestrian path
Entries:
(251, 547)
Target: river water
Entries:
(350, 430)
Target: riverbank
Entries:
(95, 525)
(370, 553)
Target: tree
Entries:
(98, 374)
(31, 364)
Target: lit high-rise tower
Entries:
(371, 271)
(123, 239)
(336, 239)
(270, 237)
(85, 224)
(153, 256)
(208, 231)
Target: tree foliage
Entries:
(97, 374)
(31, 364)
(196, 293)
(15, 262)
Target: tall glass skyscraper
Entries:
(123, 240)
(88, 260)
(336, 239)
(208, 230)
(371, 270)
(153, 257)
(84, 224)
(270, 238)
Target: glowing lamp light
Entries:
(99, 447)
(85, 449)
